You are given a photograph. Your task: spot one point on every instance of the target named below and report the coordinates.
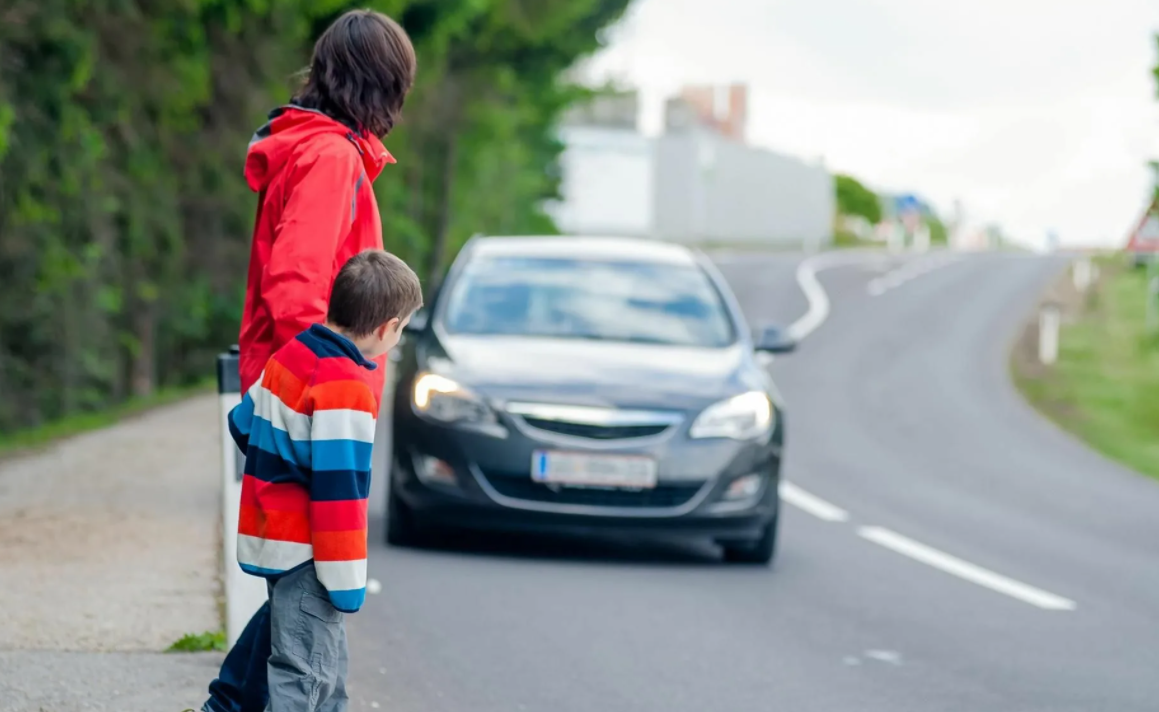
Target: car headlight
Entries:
(744, 417)
(444, 400)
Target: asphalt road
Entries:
(955, 551)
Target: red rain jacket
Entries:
(316, 210)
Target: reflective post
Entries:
(244, 594)
(1048, 325)
(1083, 274)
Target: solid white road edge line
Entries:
(818, 310)
(799, 498)
(965, 570)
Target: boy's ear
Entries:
(392, 326)
(382, 330)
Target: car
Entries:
(579, 385)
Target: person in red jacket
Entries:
(313, 165)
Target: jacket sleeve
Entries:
(316, 216)
(342, 438)
(241, 419)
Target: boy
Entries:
(307, 428)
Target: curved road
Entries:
(954, 552)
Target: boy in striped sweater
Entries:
(307, 428)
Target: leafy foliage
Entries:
(855, 199)
(124, 218)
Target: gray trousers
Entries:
(309, 659)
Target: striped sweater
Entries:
(307, 429)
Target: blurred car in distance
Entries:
(576, 385)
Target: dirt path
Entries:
(109, 542)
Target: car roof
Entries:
(618, 249)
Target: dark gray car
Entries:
(586, 384)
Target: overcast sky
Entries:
(1037, 114)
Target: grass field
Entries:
(1105, 386)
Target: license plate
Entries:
(589, 470)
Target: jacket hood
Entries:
(273, 145)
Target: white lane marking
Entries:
(909, 270)
(884, 656)
(965, 570)
(818, 301)
(811, 503)
(818, 310)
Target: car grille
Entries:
(660, 497)
(596, 432)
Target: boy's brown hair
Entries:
(372, 288)
(363, 67)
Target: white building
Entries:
(692, 184)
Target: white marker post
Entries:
(1082, 274)
(896, 240)
(244, 594)
(922, 238)
(1048, 324)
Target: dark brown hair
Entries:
(363, 67)
(372, 288)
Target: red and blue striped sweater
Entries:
(307, 429)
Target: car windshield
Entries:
(584, 299)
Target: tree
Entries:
(854, 199)
(938, 233)
(124, 218)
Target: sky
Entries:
(1039, 115)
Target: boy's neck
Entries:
(364, 344)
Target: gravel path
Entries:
(109, 542)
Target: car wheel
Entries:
(401, 529)
(762, 551)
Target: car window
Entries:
(584, 299)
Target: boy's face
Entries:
(387, 336)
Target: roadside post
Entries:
(1082, 273)
(1049, 318)
(896, 239)
(244, 594)
(922, 238)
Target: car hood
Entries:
(594, 373)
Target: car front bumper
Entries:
(492, 486)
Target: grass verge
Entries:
(1105, 386)
(844, 240)
(209, 641)
(33, 438)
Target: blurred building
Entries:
(723, 109)
(611, 109)
(696, 183)
(710, 188)
(608, 170)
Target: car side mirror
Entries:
(774, 340)
(417, 323)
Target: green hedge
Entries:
(124, 218)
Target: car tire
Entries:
(401, 528)
(760, 552)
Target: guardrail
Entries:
(244, 594)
